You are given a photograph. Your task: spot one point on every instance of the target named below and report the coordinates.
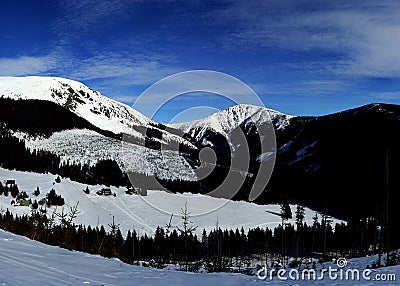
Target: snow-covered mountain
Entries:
(79, 124)
(101, 111)
(225, 121)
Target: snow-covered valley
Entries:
(145, 213)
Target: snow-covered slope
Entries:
(27, 262)
(225, 121)
(145, 213)
(85, 102)
(99, 110)
(88, 146)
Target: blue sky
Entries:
(300, 57)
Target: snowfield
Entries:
(145, 213)
(27, 262)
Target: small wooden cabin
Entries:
(9, 183)
(104, 192)
(136, 191)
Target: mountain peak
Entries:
(226, 120)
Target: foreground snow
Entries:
(26, 262)
(145, 213)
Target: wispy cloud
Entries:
(112, 73)
(83, 16)
(302, 88)
(26, 65)
(386, 95)
(364, 36)
(132, 69)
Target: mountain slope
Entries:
(78, 124)
(334, 163)
(100, 111)
(338, 162)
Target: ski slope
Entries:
(145, 213)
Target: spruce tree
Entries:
(187, 229)
(300, 214)
(286, 213)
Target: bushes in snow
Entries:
(53, 199)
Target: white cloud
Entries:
(123, 70)
(26, 65)
(109, 72)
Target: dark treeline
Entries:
(216, 250)
(41, 117)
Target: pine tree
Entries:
(35, 205)
(315, 231)
(14, 191)
(115, 235)
(326, 224)
(187, 229)
(204, 244)
(300, 214)
(286, 213)
(159, 238)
